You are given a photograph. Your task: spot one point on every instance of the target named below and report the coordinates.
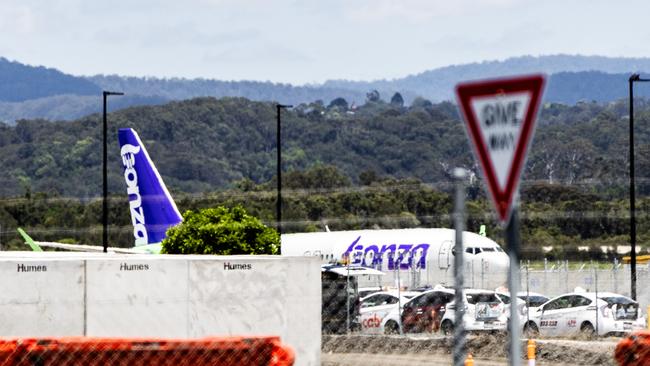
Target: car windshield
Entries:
(534, 300)
(481, 297)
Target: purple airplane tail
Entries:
(153, 210)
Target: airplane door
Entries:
(444, 255)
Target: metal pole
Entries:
(104, 182)
(527, 291)
(399, 286)
(460, 350)
(632, 194)
(347, 300)
(278, 206)
(105, 94)
(512, 238)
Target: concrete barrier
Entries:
(112, 295)
(41, 298)
(137, 297)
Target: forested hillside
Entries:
(207, 144)
(377, 165)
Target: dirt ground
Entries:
(488, 349)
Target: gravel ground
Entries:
(433, 350)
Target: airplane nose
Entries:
(504, 263)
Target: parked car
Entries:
(374, 309)
(531, 299)
(484, 311)
(365, 291)
(586, 313)
(525, 301)
(434, 311)
(424, 312)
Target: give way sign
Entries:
(500, 119)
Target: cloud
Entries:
(17, 18)
(418, 11)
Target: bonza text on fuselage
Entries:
(406, 256)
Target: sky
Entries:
(310, 41)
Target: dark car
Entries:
(424, 312)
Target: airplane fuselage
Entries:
(415, 257)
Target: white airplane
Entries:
(414, 257)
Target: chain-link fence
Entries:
(161, 308)
(369, 319)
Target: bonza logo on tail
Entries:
(128, 152)
(153, 210)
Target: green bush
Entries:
(221, 230)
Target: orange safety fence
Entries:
(82, 351)
(634, 350)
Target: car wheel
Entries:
(391, 328)
(587, 330)
(531, 330)
(447, 327)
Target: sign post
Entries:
(500, 118)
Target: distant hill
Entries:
(39, 92)
(19, 82)
(570, 76)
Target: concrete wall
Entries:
(68, 294)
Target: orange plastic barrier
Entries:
(634, 350)
(86, 351)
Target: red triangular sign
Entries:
(500, 117)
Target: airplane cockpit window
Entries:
(488, 249)
(477, 250)
(469, 250)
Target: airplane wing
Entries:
(38, 245)
(29, 241)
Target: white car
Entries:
(585, 313)
(532, 299)
(525, 300)
(375, 308)
(434, 311)
(484, 311)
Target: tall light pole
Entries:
(278, 205)
(633, 78)
(105, 177)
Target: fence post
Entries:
(545, 276)
(482, 273)
(566, 275)
(615, 275)
(596, 289)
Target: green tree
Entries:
(397, 100)
(221, 230)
